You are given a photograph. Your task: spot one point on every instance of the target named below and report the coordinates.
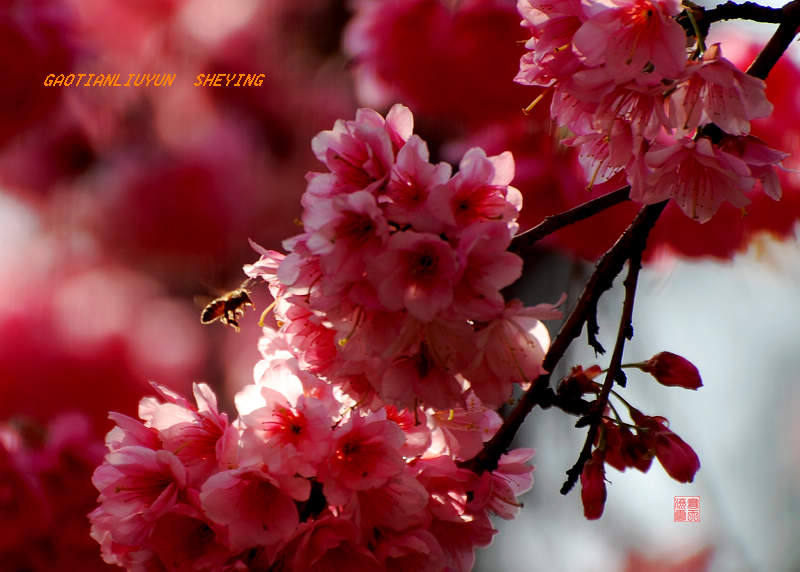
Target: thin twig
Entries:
(779, 41)
(522, 244)
(744, 11)
(629, 246)
(704, 17)
(634, 237)
(624, 332)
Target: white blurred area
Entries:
(739, 322)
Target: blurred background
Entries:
(123, 210)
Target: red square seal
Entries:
(686, 509)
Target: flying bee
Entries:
(229, 307)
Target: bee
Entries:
(229, 307)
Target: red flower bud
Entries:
(673, 370)
(593, 486)
(579, 382)
(676, 456)
(623, 449)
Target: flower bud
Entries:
(676, 456)
(624, 449)
(673, 370)
(593, 486)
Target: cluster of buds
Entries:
(634, 445)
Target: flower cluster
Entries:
(300, 481)
(618, 446)
(393, 345)
(392, 292)
(676, 122)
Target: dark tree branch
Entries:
(523, 243)
(780, 40)
(610, 265)
(745, 11)
(728, 11)
(614, 369)
(788, 18)
(629, 246)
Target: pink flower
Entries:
(479, 192)
(183, 541)
(500, 488)
(510, 350)
(634, 39)
(398, 505)
(266, 267)
(640, 107)
(462, 431)
(129, 431)
(552, 25)
(311, 341)
(604, 154)
(718, 92)
(418, 436)
(328, 543)
(414, 550)
(418, 272)
(447, 485)
(697, 175)
(289, 440)
(410, 183)
(361, 152)
(137, 485)
(486, 268)
(673, 370)
(759, 158)
(459, 539)
(199, 436)
(344, 231)
(420, 375)
(457, 525)
(568, 109)
(251, 506)
(365, 456)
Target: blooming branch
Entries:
(629, 247)
(630, 244)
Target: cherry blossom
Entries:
(718, 92)
(633, 39)
(637, 102)
(696, 174)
